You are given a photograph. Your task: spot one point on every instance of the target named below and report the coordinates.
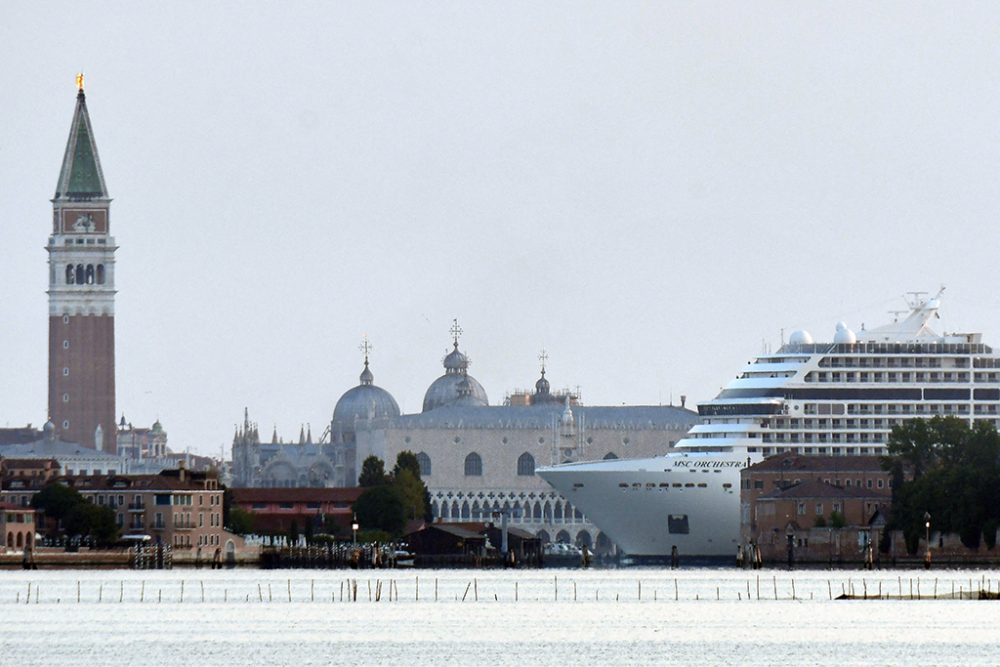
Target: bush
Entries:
(837, 520)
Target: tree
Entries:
(372, 472)
(381, 508)
(95, 521)
(240, 521)
(57, 500)
(293, 533)
(406, 477)
(948, 469)
(406, 460)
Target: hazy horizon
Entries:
(650, 192)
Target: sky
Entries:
(651, 192)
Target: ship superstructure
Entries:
(836, 398)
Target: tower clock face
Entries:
(84, 221)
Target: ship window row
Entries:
(833, 451)
(866, 423)
(823, 438)
(888, 377)
(894, 362)
(664, 486)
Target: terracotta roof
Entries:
(253, 495)
(29, 463)
(812, 488)
(803, 463)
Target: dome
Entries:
(455, 389)
(844, 336)
(800, 337)
(456, 361)
(366, 401)
(542, 386)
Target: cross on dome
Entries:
(543, 357)
(456, 331)
(366, 347)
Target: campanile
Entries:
(82, 294)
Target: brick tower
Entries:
(82, 294)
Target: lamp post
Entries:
(354, 531)
(927, 536)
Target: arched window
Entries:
(100, 274)
(473, 465)
(70, 275)
(90, 274)
(526, 465)
(465, 510)
(558, 514)
(424, 462)
(609, 456)
(454, 509)
(536, 512)
(562, 537)
(79, 274)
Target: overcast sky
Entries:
(651, 192)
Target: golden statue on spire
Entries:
(79, 81)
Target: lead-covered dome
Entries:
(456, 386)
(366, 401)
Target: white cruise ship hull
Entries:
(690, 501)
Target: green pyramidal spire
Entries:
(80, 177)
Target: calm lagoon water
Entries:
(560, 617)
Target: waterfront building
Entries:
(822, 505)
(177, 507)
(82, 294)
(45, 469)
(274, 510)
(17, 527)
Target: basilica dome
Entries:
(456, 386)
(366, 401)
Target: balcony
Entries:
(137, 507)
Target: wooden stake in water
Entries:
(639, 582)
(774, 580)
(260, 594)
(142, 592)
(475, 589)
(675, 590)
(289, 590)
(416, 589)
(515, 590)
(121, 591)
(100, 592)
(555, 586)
(435, 589)
(202, 590)
(312, 590)
(182, 590)
(78, 591)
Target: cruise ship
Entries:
(837, 398)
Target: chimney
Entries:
(683, 400)
(181, 469)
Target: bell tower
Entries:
(82, 294)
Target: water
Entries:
(561, 617)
